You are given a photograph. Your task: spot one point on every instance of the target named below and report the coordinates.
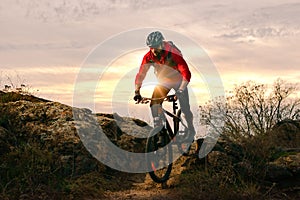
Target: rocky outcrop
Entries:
(272, 159)
(285, 170)
(284, 167)
(51, 126)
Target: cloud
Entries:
(41, 46)
(249, 34)
(268, 22)
(81, 10)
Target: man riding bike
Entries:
(171, 71)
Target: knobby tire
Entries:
(156, 156)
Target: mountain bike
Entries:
(160, 157)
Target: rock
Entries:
(285, 134)
(284, 166)
(6, 97)
(285, 171)
(53, 126)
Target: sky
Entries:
(46, 44)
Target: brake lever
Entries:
(142, 101)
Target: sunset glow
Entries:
(47, 46)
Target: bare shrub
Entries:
(253, 109)
(14, 83)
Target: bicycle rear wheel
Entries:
(159, 159)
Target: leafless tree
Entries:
(253, 109)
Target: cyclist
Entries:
(171, 71)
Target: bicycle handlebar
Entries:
(169, 98)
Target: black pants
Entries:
(156, 105)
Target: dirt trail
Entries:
(143, 187)
(142, 191)
(147, 190)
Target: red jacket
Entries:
(170, 57)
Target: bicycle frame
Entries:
(176, 119)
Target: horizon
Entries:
(45, 45)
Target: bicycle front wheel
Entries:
(159, 158)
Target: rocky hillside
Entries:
(43, 157)
(39, 137)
